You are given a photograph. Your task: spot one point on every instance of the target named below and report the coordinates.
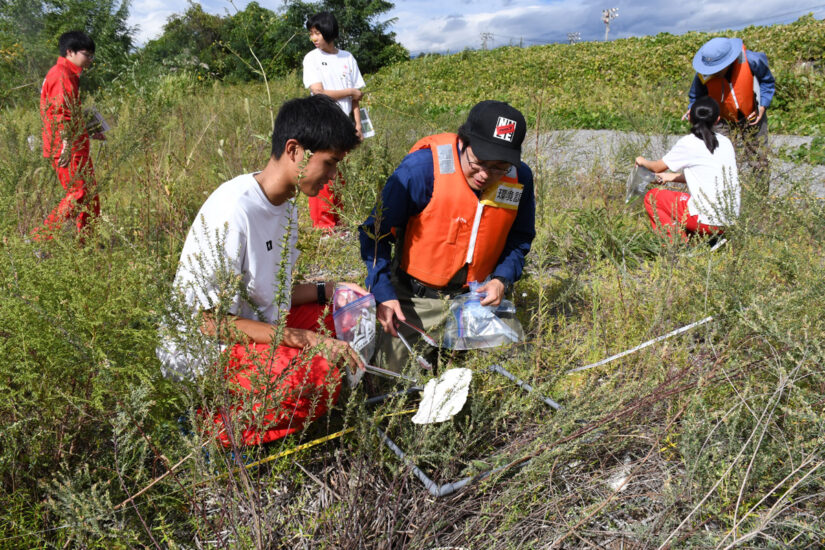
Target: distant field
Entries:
(629, 84)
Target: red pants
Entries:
(323, 208)
(669, 209)
(294, 389)
(77, 179)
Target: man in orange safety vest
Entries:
(459, 208)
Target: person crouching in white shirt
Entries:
(705, 160)
(280, 368)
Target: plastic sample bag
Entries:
(354, 317)
(637, 182)
(473, 326)
(367, 129)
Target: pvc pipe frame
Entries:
(524, 385)
(450, 488)
(432, 487)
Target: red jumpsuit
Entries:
(62, 117)
(668, 209)
(284, 390)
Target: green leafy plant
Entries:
(809, 153)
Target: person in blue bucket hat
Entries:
(742, 84)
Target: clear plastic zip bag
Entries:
(473, 326)
(354, 316)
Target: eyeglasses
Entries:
(87, 55)
(489, 170)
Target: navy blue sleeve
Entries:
(521, 235)
(697, 90)
(758, 63)
(406, 193)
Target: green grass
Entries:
(810, 153)
(629, 84)
(721, 427)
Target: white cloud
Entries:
(544, 21)
(149, 16)
(515, 22)
(439, 26)
(149, 25)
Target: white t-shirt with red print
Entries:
(335, 71)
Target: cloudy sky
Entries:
(452, 25)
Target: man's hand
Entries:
(338, 351)
(352, 286)
(99, 136)
(667, 177)
(686, 116)
(356, 94)
(335, 351)
(240, 329)
(756, 116)
(387, 312)
(495, 292)
(358, 131)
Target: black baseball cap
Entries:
(496, 130)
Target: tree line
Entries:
(235, 47)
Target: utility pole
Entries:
(574, 37)
(608, 15)
(485, 36)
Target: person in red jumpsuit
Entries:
(65, 138)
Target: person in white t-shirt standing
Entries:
(705, 160)
(332, 72)
(235, 280)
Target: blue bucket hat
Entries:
(716, 54)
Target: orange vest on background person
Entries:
(735, 96)
(456, 227)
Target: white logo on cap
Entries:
(505, 128)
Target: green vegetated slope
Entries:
(714, 437)
(628, 84)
